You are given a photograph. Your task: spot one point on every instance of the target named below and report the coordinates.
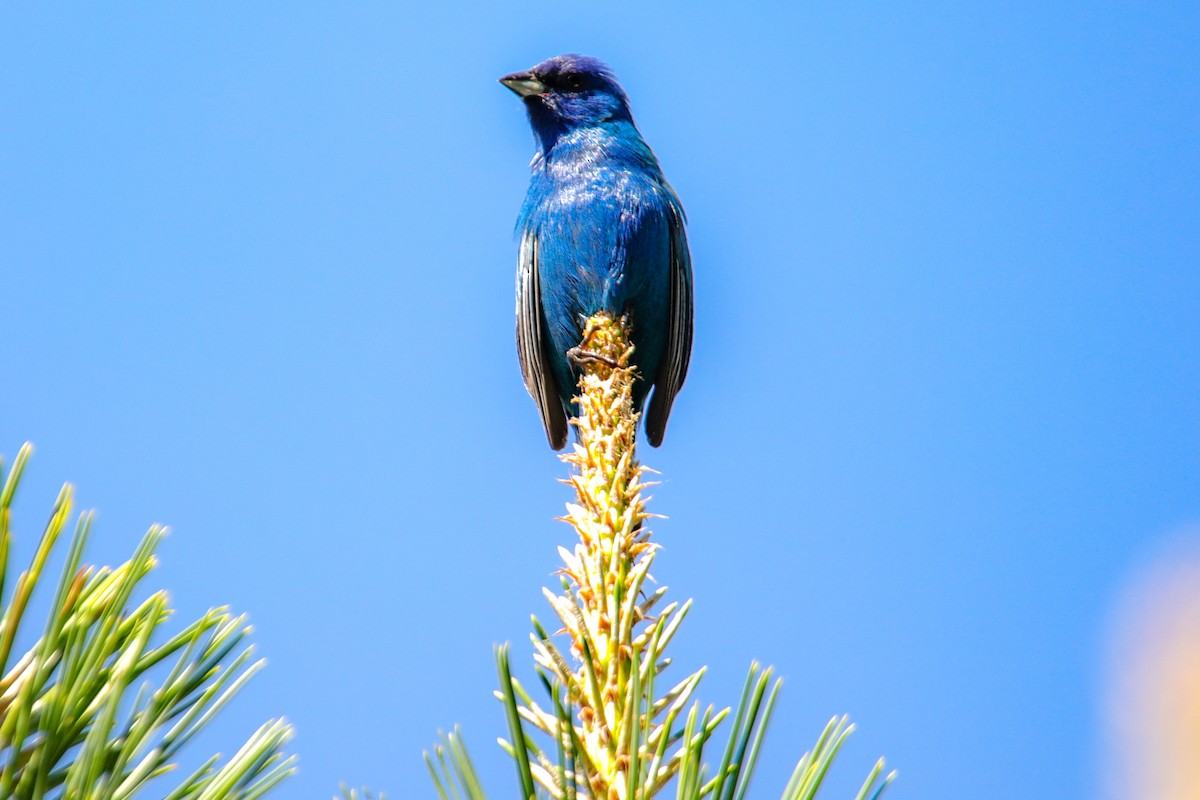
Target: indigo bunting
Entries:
(601, 230)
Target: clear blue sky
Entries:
(256, 282)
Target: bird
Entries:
(600, 230)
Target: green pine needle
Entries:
(84, 712)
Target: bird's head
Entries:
(568, 92)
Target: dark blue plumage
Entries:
(601, 230)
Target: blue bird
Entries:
(600, 230)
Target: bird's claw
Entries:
(581, 356)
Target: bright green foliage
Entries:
(730, 781)
(451, 769)
(95, 708)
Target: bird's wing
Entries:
(674, 367)
(533, 345)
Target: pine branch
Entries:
(614, 733)
(95, 708)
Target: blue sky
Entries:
(257, 273)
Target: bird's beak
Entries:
(523, 83)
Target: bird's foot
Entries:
(582, 356)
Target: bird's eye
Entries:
(574, 82)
